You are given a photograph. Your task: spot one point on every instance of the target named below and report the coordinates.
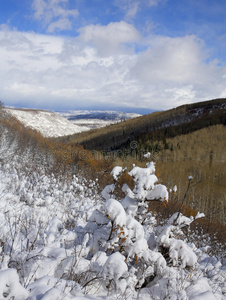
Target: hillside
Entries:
(49, 124)
(158, 125)
(188, 140)
(63, 239)
(202, 155)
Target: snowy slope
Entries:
(50, 124)
(61, 239)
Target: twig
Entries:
(182, 204)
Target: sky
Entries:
(129, 55)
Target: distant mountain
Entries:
(97, 114)
(96, 118)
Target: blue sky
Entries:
(122, 55)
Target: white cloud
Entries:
(101, 68)
(53, 14)
(132, 10)
(61, 24)
(111, 39)
(155, 2)
(170, 59)
(130, 7)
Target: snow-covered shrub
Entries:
(65, 241)
(115, 271)
(137, 255)
(117, 226)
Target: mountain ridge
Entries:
(157, 125)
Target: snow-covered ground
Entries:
(61, 238)
(50, 124)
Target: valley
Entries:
(141, 216)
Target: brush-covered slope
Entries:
(158, 125)
(63, 239)
(201, 154)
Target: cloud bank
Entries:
(104, 66)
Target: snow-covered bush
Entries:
(60, 239)
(138, 256)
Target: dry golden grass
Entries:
(202, 155)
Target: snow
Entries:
(138, 249)
(205, 295)
(147, 155)
(10, 287)
(115, 212)
(175, 189)
(145, 179)
(199, 215)
(159, 192)
(135, 229)
(201, 290)
(107, 191)
(116, 172)
(115, 267)
(179, 251)
(62, 239)
(179, 219)
(49, 124)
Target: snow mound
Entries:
(115, 211)
(116, 172)
(10, 287)
(115, 267)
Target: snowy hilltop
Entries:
(61, 238)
